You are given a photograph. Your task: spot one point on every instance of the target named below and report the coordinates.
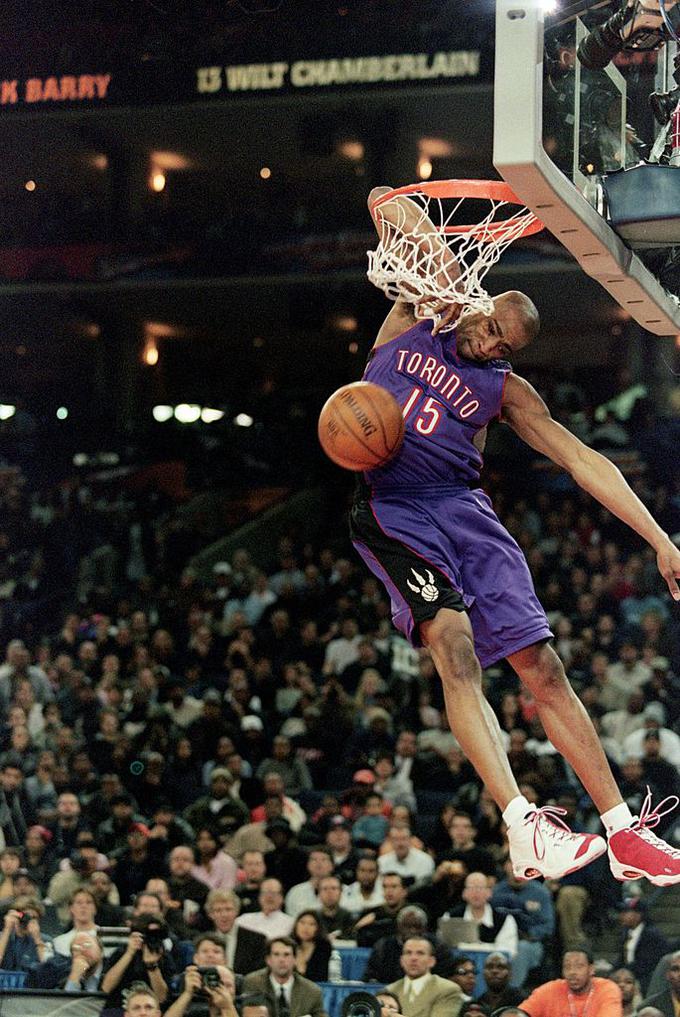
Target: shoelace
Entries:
(547, 823)
(649, 818)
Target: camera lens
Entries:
(663, 104)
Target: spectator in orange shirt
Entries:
(578, 993)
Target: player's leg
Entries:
(537, 846)
(449, 638)
(634, 851)
(566, 722)
(419, 569)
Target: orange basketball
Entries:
(361, 426)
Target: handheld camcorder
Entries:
(210, 978)
(636, 25)
(153, 929)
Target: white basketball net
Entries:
(415, 262)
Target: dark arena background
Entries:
(205, 710)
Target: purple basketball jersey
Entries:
(446, 401)
(433, 542)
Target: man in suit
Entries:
(420, 993)
(288, 993)
(643, 944)
(668, 1001)
(384, 964)
(245, 950)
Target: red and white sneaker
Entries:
(635, 851)
(541, 844)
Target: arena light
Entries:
(430, 147)
(345, 323)
(210, 415)
(150, 355)
(162, 413)
(157, 181)
(351, 148)
(7, 411)
(170, 161)
(243, 420)
(548, 6)
(187, 413)
(30, 185)
(265, 173)
(424, 169)
(62, 413)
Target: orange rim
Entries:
(493, 190)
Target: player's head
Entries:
(512, 325)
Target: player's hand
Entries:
(444, 317)
(668, 563)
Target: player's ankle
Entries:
(515, 810)
(617, 818)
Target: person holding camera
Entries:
(143, 959)
(208, 986)
(22, 944)
(204, 995)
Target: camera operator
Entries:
(636, 25)
(22, 944)
(204, 995)
(144, 959)
(208, 986)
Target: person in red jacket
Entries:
(577, 994)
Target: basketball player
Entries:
(459, 583)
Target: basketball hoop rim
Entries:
(493, 190)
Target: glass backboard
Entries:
(562, 129)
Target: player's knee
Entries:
(456, 650)
(549, 677)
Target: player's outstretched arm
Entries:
(529, 417)
(401, 216)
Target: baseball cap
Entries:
(139, 828)
(251, 723)
(222, 568)
(277, 824)
(364, 777)
(122, 798)
(221, 771)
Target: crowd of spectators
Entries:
(244, 769)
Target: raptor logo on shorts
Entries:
(426, 587)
